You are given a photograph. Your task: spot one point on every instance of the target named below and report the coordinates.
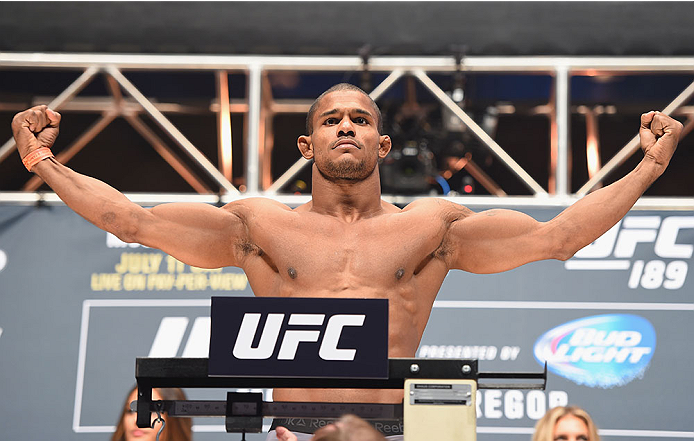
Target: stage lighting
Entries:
(409, 170)
(468, 185)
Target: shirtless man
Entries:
(347, 241)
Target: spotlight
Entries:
(468, 185)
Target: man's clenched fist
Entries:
(34, 128)
(659, 135)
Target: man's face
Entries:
(345, 143)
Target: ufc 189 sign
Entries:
(299, 337)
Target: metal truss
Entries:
(128, 102)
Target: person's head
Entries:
(338, 88)
(568, 423)
(175, 429)
(348, 428)
(344, 134)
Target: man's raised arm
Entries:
(197, 234)
(499, 240)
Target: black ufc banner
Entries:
(299, 337)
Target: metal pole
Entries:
(480, 133)
(266, 136)
(286, 176)
(386, 84)
(165, 152)
(592, 142)
(224, 124)
(67, 94)
(342, 63)
(561, 108)
(254, 102)
(172, 130)
(632, 146)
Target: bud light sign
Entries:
(599, 351)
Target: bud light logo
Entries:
(599, 351)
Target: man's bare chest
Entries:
(383, 250)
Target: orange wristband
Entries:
(36, 156)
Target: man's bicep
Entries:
(497, 240)
(198, 234)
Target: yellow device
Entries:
(441, 410)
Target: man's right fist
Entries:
(34, 128)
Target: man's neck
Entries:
(347, 200)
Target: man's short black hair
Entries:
(337, 88)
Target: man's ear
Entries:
(384, 146)
(305, 146)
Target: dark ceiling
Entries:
(342, 28)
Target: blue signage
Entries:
(599, 351)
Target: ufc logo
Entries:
(621, 243)
(292, 338)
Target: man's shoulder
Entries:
(433, 204)
(437, 208)
(257, 206)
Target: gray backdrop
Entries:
(77, 307)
